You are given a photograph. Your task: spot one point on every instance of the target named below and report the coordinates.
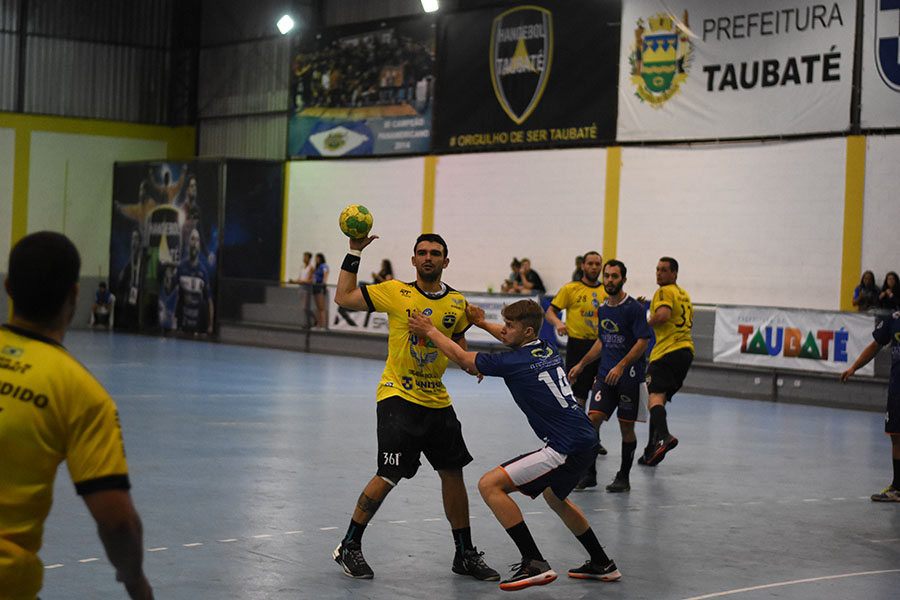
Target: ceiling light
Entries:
(285, 24)
(429, 6)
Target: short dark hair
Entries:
(673, 264)
(527, 312)
(43, 267)
(430, 237)
(588, 253)
(616, 263)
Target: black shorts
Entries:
(892, 414)
(666, 374)
(407, 429)
(318, 289)
(575, 350)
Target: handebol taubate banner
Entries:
(535, 75)
(363, 89)
(792, 339)
(694, 69)
(881, 64)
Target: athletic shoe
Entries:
(591, 570)
(602, 450)
(349, 555)
(471, 563)
(888, 494)
(588, 480)
(619, 484)
(662, 447)
(528, 573)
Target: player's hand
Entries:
(612, 378)
(642, 299)
(562, 330)
(362, 242)
(475, 314)
(846, 374)
(574, 372)
(419, 324)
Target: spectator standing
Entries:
(889, 298)
(320, 278)
(865, 296)
(385, 274)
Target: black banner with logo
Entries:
(535, 75)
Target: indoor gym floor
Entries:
(246, 464)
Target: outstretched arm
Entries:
(865, 356)
(475, 314)
(120, 530)
(422, 325)
(347, 293)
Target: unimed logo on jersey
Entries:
(521, 51)
(660, 58)
(887, 41)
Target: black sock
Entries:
(628, 449)
(354, 532)
(524, 542)
(659, 429)
(463, 539)
(896, 484)
(592, 545)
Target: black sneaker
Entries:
(619, 484)
(349, 555)
(588, 480)
(601, 451)
(662, 447)
(591, 570)
(528, 573)
(471, 563)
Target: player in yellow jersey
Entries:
(671, 317)
(414, 412)
(53, 410)
(581, 299)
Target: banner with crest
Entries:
(881, 64)
(730, 69)
(536, 75)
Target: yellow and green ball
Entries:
(356, 221)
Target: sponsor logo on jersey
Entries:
(660, 58)
(521, 52)
(542, 352)
(12, 351)
(609, 325)
(449, 320)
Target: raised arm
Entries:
(475, 314)
(347, 293)
(120, 530)
(422, 325)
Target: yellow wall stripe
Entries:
(611, 202)
(21, 170)
(854, 190)
(428, 194)
(284, 219)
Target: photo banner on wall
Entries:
(164, 246)
(732, 69)
(532, 76)
(363, 90)
(791, 339)
(881, 64)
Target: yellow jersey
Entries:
(51, 409)
(414, 365)
(580, 301)
(675, 333)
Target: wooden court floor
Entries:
(246, 464)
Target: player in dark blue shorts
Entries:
(623, 339)
(533, 372)
(887, 331)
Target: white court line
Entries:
(326, 528)
(156, 549)
(396, 522)
(87, 560)
(433, 519)
(56, 566)
(261, 536)
(228, 541)
(192, 544)
(783, 583)
(810, 499)
(292, 532)
(885, 541)
(535, 512)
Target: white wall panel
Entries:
(70, 188)
(390, 188)
(7, 168)
(546, 206)
(881, 209)
(758, 224)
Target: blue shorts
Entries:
(536, 471)
(629, 396)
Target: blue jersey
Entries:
(194, 293)
(887, 331)
(621, 326)
(537, 381)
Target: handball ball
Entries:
(356, 221)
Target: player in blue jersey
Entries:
(534, 374)
(195, 305)
(887, 331)
(623, 338)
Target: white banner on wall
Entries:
(792, 339)
(734, 69)
(881, 64)
(341, 319)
